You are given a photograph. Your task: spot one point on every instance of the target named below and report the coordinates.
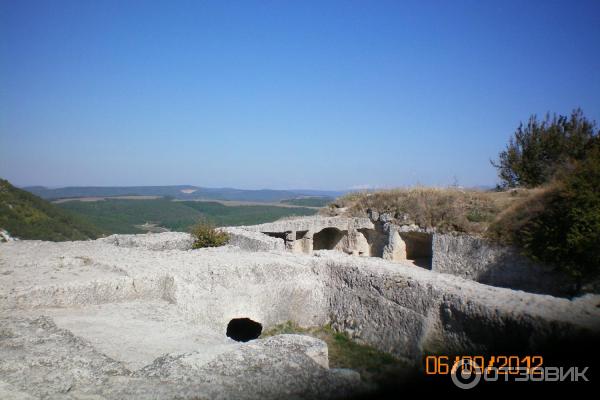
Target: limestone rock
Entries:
(252, 240)
(476, 259)
(373, 215)
(313, 223)
(133, 317)
(395, 249)
(5, 236)
(153, 241)
(386, 217)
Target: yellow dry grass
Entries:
(445, 209)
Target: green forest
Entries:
(122, 216)
(26, 216)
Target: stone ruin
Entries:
(377, 236)
(144, 316)
(362, 237)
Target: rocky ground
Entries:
(142, 316)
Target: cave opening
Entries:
(279, 235)
(243, 329)
(376, 241)
(418, 248)
(328, 238)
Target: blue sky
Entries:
(283, 94)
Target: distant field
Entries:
(104, 198)
(309, 201)
(223, 215)
(181, 192)
(126, 216)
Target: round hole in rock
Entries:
(243, 329)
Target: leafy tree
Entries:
(539, 149)
(567, 232)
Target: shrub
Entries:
(538, 150)
(206, 235)
(561, 224)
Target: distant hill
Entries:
(26, 216)
(180, 192)
(316, 201)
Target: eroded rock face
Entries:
(379, 236)
(376, 236)
(153, 241)
(41, 360)
(129, 317)
(475, 258)
(253, 241)
(314, 223)
(432, 312)
(306, 234)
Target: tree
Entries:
(560, 225)
(538, 150)
(567, 232)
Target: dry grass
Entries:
(516, 214)
(445, 209)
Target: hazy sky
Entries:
(283, 94)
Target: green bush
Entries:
(561, 225)
(206, 235)
(538, 150)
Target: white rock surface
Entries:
(141, 316)
(313, 223)
(477, 259)
(5, 236)
(153, 241)
(253, 241)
